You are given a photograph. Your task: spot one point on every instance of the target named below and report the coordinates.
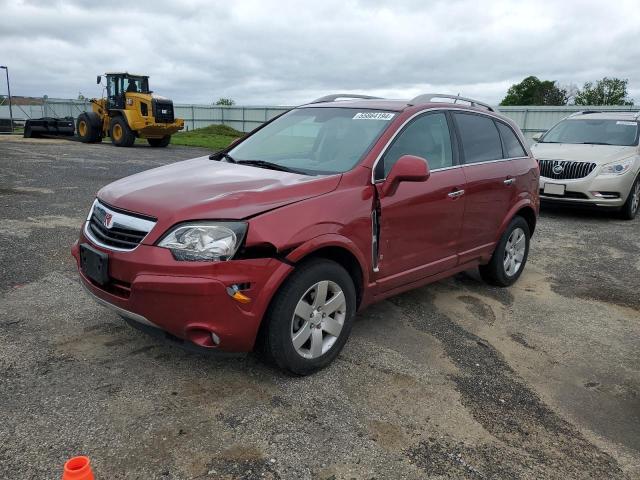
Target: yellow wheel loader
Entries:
(129, 111)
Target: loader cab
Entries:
(118, 84)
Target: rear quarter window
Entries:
(479, 137)
(512, 146)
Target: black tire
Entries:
(494, 272)
(630, 208)
(277, 343)
(27, 133)
(160, 142)
(120, 133)
(88, 127)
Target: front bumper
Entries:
(188, 299)
(592, 190)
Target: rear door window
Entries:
(512, 146)
(479, 137)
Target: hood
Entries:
(208, 189)
(599, 154)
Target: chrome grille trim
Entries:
(125, 231)
(570, 170)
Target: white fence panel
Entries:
(531, 119)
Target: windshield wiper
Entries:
(270, 165)
(596, 143)
(222, 154)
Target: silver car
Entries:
(592, 158)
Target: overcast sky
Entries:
(288, 52)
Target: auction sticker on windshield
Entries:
(373, 116)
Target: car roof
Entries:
(631, 116)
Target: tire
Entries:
(27, 133)
(495, 272)
(88, 127)
(284, 324)
(160, 142)
(632, 205)
(120, 133)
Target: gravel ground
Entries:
(453, 380)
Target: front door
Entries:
(419, 225)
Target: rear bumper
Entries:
(189, 300)
(158, 130)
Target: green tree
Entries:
(608, 91)
(225, 102)
(533, 91)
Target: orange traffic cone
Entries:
(77, 468)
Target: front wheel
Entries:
(632, 205)
(311, 316)
(510, 256)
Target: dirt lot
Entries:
(454, 380)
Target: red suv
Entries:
(278, 240)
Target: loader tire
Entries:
(121, 134)
(88, 127)
(160, 142)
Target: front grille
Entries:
(163, 111)
(116, 229)
(565, 169)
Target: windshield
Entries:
(316, 140)
(594, 131)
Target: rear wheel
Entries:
(121, 134)
(632, 205)
(159, 142)
(510, 256)
(88, 127)
(310, 318)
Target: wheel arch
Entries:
(524, 209)
(339, 249)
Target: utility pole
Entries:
(6, 69)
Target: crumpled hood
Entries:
(206, 189)
(599, 154)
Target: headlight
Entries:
(617, 168)
(205, 241)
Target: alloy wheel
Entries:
(318, 319)
(514, 251)
(635, 200)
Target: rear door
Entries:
(419, 225)
(490, 183)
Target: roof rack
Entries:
(428, 97)
(333, 98)
(584, 112)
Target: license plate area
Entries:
(554, 188)
(94, 264)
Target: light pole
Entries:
(6, 69)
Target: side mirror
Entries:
(408, 168)
(538, 136)
(99, 79)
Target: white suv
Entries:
(592, 158)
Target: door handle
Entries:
(509, 181)
(455, 194)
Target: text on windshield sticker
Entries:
(373, 116)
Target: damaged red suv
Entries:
(277, 241)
